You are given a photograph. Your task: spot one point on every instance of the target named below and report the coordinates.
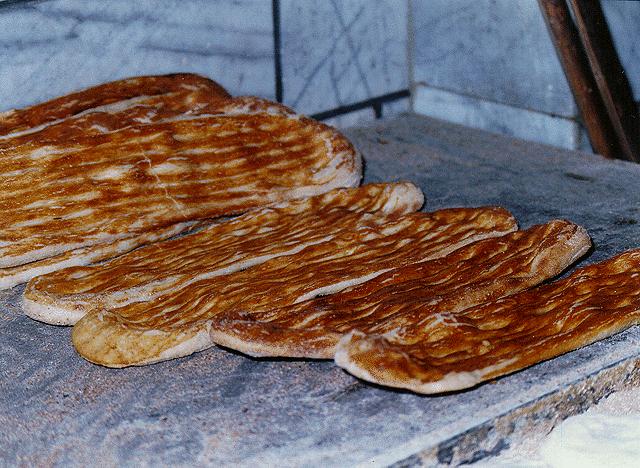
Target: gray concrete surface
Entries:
(218, 407)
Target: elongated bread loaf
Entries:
(12, 276)
(394, 303)
(453, 351)
(63, 297)
(98, 97)
(152, 161)
(177, 323)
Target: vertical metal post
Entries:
(609, 76)
(277, 48)
(580, 77)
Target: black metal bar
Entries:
(13, 3)
(375, 102)
(377, 109)
(277, 48)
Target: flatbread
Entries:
(104, 187)
(12, 276)
(99, 110)
(41, 115)
(391, 304)
(117, 115)
(459, 350)
(178, 323)
(62, 298)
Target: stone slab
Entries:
(221, 408)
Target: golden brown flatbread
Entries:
(452, 351)
(391, 304)
(12, 276)
(178, 323)
(98, 110)
(63, 297)
(167, 167)
(96, 98)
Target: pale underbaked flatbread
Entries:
(392, 304)
(459, 350)
(63, 297)
(107, 186)
(178, 323)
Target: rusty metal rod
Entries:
(580, 77)
(609, 75)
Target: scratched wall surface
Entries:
(49, 48)
(490, 64)
(333, 53)
(623, 18)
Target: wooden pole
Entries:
(580, 77)
(609, 75)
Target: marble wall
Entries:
(491, 64)
(333, 53)
(488, 64)
(344, 51)
(51, 47)
(623, 18)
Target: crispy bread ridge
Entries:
(63, 297)
(100, 189)
(100, 110)
(144, 332)
(118, 115)
(503, 336)
(17, 120)
(12, 276)
(476, 273)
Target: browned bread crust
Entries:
(63, 107)
(248, 240)
(12, 276)
(149, 162)
(393, 304)
(462, 349)
(177, 323)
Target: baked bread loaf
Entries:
(453, 351)
(392, 304)
(111, 98)
(222, 157)
(63, 297)
(98, 110)
(12, 276)
(178, 323)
